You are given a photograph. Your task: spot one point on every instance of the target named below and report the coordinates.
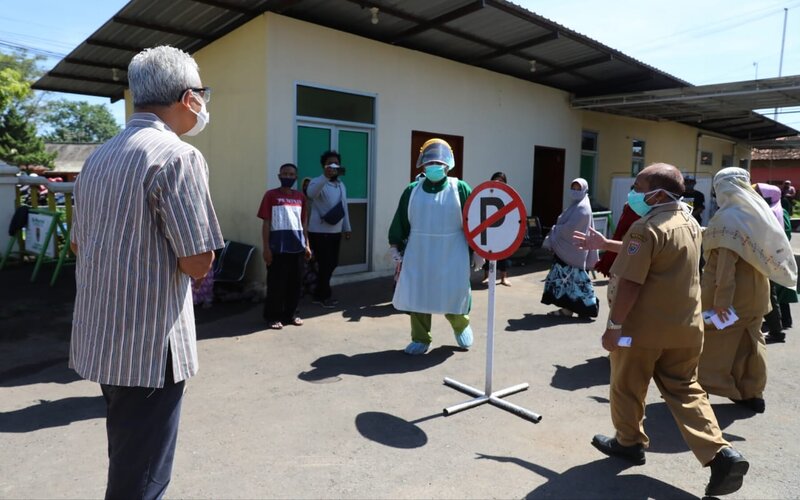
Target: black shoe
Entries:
(756, 404)
(612, 448)
(327, 303)
(727, 472)
(773, 338)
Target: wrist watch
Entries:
(613, 326)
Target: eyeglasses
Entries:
(204, 92)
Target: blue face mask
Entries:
(435, 172)
(637, 203)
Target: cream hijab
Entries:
(746, 225)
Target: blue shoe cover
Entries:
(416, 348)
(464, 338)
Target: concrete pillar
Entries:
(8, 179)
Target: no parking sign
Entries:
(494, 220)
(494, 224)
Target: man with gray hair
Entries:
(143, 226)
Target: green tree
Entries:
(17, 74)
(79, 121)
(12, 86)
(19, 144)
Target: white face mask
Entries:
(203, 117)
(576, 195)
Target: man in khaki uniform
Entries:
(657, 305)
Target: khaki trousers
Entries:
(675, 374)
(734, 361)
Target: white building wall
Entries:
(501, 118)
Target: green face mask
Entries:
(435, 172)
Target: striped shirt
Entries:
(141, 202)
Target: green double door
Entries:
(353, 144)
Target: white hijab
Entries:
(746, 225)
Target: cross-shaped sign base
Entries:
(493, 398)
(489, 396)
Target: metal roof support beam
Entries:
(639, 98)
(457, 33)
(85, 62)
(578, 65)
(114, 45)
(440, 20)
(164, 29)
(280, 5)
(229, 6)
(55, 88)
(527, 44)
(750, 130)
(107, 81)
(611, 85)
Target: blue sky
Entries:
(701, 41)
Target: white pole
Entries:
(490, 328)
(783, 43)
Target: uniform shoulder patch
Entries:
(634, 244)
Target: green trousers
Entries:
(421, 325)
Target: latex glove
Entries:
(397, 257)
(477, 261)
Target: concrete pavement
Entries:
(333, 409)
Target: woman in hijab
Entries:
(744, 248)
(780, 318)
(568, 285)
(502, 264)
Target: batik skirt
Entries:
(571, 288)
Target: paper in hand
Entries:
(712, 317)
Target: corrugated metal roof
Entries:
(493, 34)
(497, 35)
(725, 108)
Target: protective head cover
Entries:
(744, 224)
(436, 151)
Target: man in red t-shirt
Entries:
(284, 235)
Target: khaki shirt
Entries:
(661, 252)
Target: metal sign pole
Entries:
(487, 396)
(490, 327)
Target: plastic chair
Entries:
(231, 263)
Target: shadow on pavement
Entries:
(54, 371)
(393, 431)
(532, 322)
(48, 414)
(374, 363)
(593, 372)
(598, 479)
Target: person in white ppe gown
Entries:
(428, 244)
